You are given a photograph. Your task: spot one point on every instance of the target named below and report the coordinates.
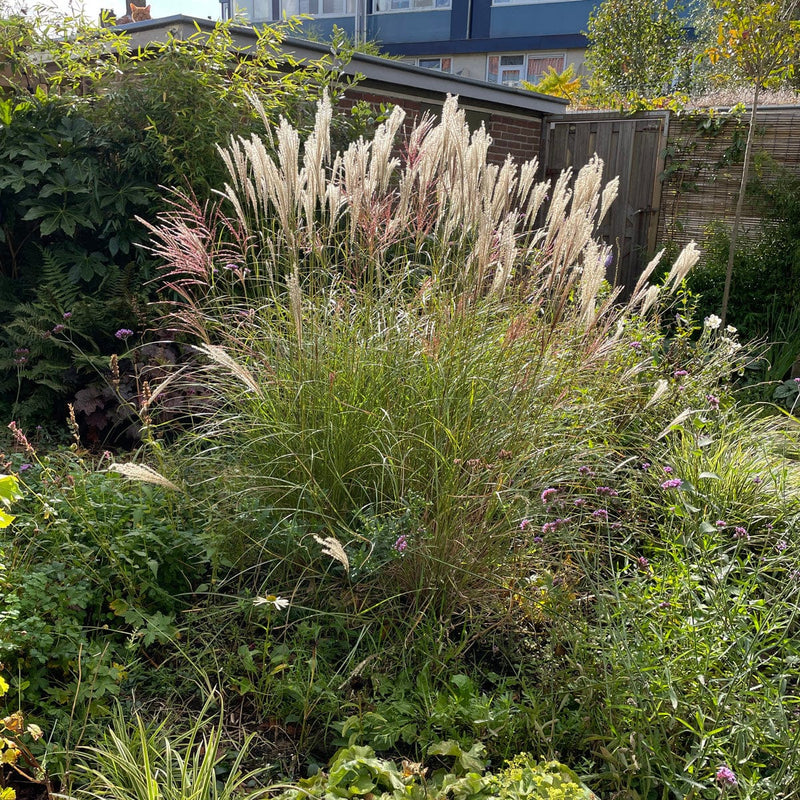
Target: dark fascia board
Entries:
(377, 72)
(565, 41)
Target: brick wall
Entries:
(513, 134)
(519, 137)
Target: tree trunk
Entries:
(739, 203)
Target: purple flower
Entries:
(67, 314)
(713, 400)
(720, 523)
(672, 483)
(585, 470)
(23, 467)
(609, 260)
(524, 524)
(645, 465)
(549, 527)
(608, 491)
(741, 533)
(797, 380)
(601, 513)
(757, 479)
(726, 776)
(636, 345)
(680, 373)
(579, 501)
(642, 562)
(548, 494)
(58, 328)
(781, 545)
(665, 604)
(401, 543)
(537, 540)
(667, 469)
(123, 333)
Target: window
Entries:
(438, 64)
(512, 69)
(318, 8)
(411, 5)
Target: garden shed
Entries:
(514, 118)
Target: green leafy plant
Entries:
(141, 761)
(356, 772)
(87, 142)
(762, 40)
(559, 84)
(637, 50)
(98, 573)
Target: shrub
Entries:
(356, 772)
(430, 423)
(95, 571)
(764, 292)
(84, 154)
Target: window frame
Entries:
(440, 59)
(526, 57)
(345, 13)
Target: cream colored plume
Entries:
(333, 547)
(144, 474)
(220, 357)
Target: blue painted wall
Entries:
(566, 41)
(389, 29)
(459, 20)
(541, 19)
(409, 26)
(502, 28)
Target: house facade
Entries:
(499, 41)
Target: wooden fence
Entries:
(631, 148)
(703, 169)
(679, 173)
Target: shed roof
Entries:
(380, 74)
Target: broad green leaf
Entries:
(9, 489)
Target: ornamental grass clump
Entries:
(401, 342)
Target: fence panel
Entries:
(631, 148)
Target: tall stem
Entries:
(739, 203)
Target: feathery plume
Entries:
(333, 547)
(688, 257)
(662, 387)
(144, 474)
(219, 356)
